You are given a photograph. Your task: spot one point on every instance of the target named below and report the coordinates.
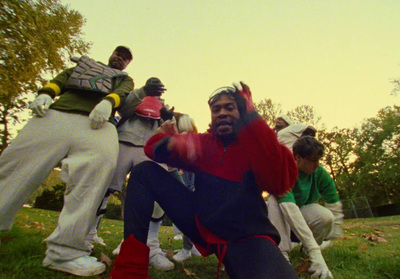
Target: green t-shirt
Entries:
(309, 188)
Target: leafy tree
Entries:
(339, 145)
(268, 110)
(396, 88)
(36, 38)
(306, 114)
(301, 114)
(338, 158)
(377, 167)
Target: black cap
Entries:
(125, 50)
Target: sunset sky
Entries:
(338, 56)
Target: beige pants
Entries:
(318, 218)
(88, 159)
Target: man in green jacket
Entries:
(77, 132)
(298, 210)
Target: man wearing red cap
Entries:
(142, 114)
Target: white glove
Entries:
(100, 114)
(337, 211)
(292, 214)
(318, 265)
(298, 225)
(41, 104)
(186, 124)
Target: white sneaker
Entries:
(178, 237)
(182, 255)
(116, 250)
(97, 239)
(160, 262)
(83, 266)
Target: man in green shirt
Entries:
(77, 132)
(298, 210)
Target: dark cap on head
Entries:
(125, 50)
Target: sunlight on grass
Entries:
(369, 249)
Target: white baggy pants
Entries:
(318, 218)
(88, 159)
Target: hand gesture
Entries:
(100, 114)
(41, 104)
(154, 87)
(244, 92)
(186, 124)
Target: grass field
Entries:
(369, 248)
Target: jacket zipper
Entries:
(223, 155)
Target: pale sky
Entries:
(337, 56)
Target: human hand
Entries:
(244, 92)
(154, 87)
(168, 127)
(318, 266)
(100, 114)
(187, 147)
(41, 104)
(186, 124)
(166, 113)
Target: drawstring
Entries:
(221, 256)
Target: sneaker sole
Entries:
(163, 268)
(90, 272)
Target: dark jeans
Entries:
(255, 258)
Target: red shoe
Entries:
(132, 261)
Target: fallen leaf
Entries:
(169, 253)
(106, 232)
(363, 247)
(381, 239)
(6, 238)
(303, 268)
(105, 259)
(188, 272)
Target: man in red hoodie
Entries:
(233, 162)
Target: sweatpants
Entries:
(88, 158)
(318, 218)
(253, 258)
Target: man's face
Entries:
(280, 124)
(118, 60)
(224, 115)
(308, 164)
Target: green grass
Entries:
(370, 249)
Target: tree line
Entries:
(38, 37)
